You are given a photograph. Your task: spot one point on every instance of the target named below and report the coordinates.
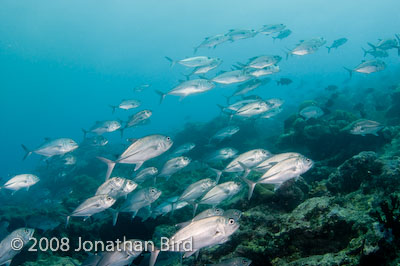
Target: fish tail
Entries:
(329, 49)
(398, 40)
(67, 221)
(195, 49)
(153, 256)
(162, 95)
(251, 185)
(113, 107)
(350, 71)
(228, 98)
(84, 133)
(365, 51)
(372, 46)
(187, 76)
(287, 52)
(246, 169)
(110, 165)
(218, 173)
(195, 205)
(121, 129)
(114, 214)
(171, 61)
(28, 152)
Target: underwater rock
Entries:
(358, 169)
(53, 260)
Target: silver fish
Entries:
(239, 34)
(69, 159)
(96, 141)
(116, 187)
(126, 105)
(307, 47)
(237, 105)
(189, 87)
(205, 69)
(273, 160)
(272, 28)
(124, 253)
(282, 171)
(283, 34)
(311, 112)
(248, 159)
(386, 44)
(222, 154)
(271, 113)
(252, 109)
(263, 61)
(238, 261)
(204, 214)
(196, 190)
(138, 118)
(220, 193)
(231, 77)
(196, 61)
(249, 86)
(174, 165)
(368, 67)
(93, 205)
(21, 181)
(101, 127)
(269, 70)
(140, 151)
(7, 252)
(140, 88)
(212, 41)
(169, 205)
(145, 174)
(376, 53)
(364, 127)
(337, 43)
(184, 148)
(274, 102)
(203, 233)
(140, 199)
(225, 132)
(53, 147)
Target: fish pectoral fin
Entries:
(7, 263)
(138, 165)
(224, 240)
(190, 253)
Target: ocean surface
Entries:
(312, 86)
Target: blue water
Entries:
(62, 63)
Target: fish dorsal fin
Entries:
(132, 140)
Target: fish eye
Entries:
(152, 190)
(231, 221)
(244, 261)
(26, 231)
(168, 138)
(109, 198)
